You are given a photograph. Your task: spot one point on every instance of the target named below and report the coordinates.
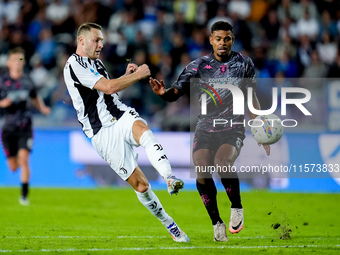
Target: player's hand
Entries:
(45, 110)
(143, 71)
(131, 68)
(158, 87)
(5, 102)
(266, 148)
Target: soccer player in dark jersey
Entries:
(219, 145)
(16, 88)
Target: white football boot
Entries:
(174, 184)
(177, 234)
(220, 234)
(236, 220)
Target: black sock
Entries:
(208, 195)
(232, 187)
(24, 190)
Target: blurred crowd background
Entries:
(285, 39)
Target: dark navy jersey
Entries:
(17, 115)
(237, 71)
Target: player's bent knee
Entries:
(142, 187)
(13, 164)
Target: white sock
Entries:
(156, 154)
(152, 203)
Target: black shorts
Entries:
(213, 140)
(12, 141)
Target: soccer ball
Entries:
(269, 131)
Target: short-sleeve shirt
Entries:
(95, 109)
(238, 70)
(17, 117)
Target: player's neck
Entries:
(80, 53)
(223, 58)
(16, 74)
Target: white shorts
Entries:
(115, 144)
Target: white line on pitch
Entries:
(175, 248)
(149, 237)
(45, 237)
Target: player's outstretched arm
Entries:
(158, 88)
(5, 102)
(40, 105)
(257, 106)
(116, 85)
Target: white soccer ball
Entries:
(267, 129)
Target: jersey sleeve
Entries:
(32, 89)
(83, 74)
(3, 93)
(250, 74)
(183, 82)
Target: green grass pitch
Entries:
(112, 221)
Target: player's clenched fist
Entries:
(143, 71)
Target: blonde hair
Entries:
(87, 27)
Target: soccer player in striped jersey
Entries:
(218, 145)
(115, 128)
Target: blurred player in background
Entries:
(115, 128)
(218, 145)
(16, 88)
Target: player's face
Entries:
(16, 62)
(93, 43)
(221, 41)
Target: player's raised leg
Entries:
(149, 199)
(156, 155)
(226, 156)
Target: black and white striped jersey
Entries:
(95, 109)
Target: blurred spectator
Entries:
(57, 11)
(179, 48)
(271, 25)
(314, 81)
(38, 23)
(288, 9)
(317, 69)
(328, 25)
(334, 70)
(304, 53)
(201, 17)
(197, 44)
(285, 44)
(42, 78)
(186, 8)
(129, 27)
(10, 10)
(185, 60)
(155, 50)
(330, 5)
(46, 48)
(258, 10)
(147, 25)
(286, 65)
(327, 49)
(288, 27)
(221, 15)
(307, 5)
(239, 7)
(242, 33)
(308, 25)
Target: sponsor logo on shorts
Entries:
(122, 169)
